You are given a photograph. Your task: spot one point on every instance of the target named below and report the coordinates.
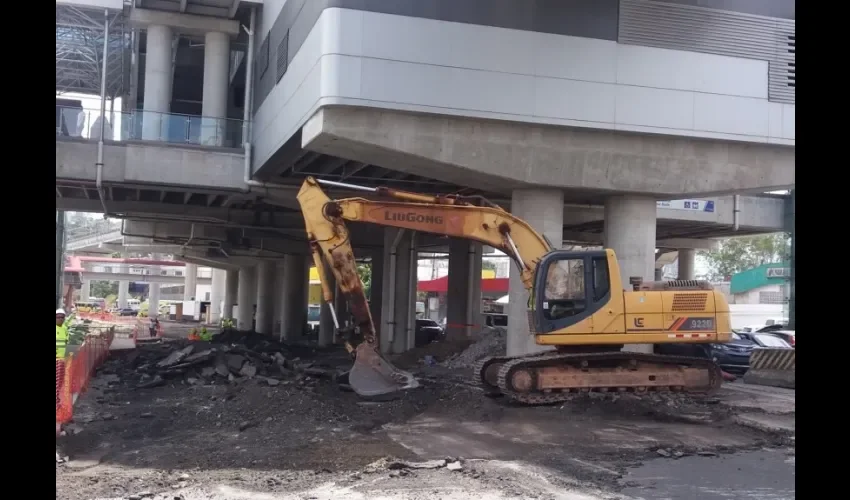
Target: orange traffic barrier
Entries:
(74, 373)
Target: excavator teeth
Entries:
(372, 375)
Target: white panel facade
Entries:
(380, 60)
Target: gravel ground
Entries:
(305, 437)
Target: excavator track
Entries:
(480, 375)
(554, 378)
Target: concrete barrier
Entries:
(773, 367)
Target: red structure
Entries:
(488, 286)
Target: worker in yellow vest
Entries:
(61, 334)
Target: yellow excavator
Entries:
(577, 303)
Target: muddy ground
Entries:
(306, 437)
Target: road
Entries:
(216, 438)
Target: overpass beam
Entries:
(158, 80)
(543, 210)
(630, 231)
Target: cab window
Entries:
(565, 289)
(601, 283)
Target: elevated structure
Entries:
(598, 121)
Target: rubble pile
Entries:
(492, 342)
(230, 357)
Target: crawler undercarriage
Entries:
(553, 377)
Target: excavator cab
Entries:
(569, 287)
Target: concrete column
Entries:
(686, 263)
(464, 289)
(326, 322)
(278, 303)
(543, 209)
(85, 290)
(396, 304)
(153, 300)
(231, 292)
(630, 232)
(158, 79)
(190, 282)
(265, 297)
(245, 299)
(293, 296)
(376, 291)
(123, 293)
(153, 290)
(216, 82)
(219, 277)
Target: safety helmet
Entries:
(60, 311)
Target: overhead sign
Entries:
(690, 205)
(778, 272)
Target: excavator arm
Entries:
(330, 246)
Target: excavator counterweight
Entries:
(577, 303)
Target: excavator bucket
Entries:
(372, 375)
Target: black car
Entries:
(127, 312)
(427, 331)
(733, 356)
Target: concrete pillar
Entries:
(376, 295)
(123, 293)
(153, 290)
(464, 289)
(85, 290)
(231, 292)
(216, 82)
(293, 300)
(543, 209)
(396, 303)
(245, 300)
(326, 323)
(686, 263)
(630, 232)
(219, 276)
(265, 297)
(190, 282)
(153, 300)
(158, 79)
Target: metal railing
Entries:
(149, 126)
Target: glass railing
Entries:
(149, 126)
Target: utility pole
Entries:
(60, 255)
(790, 227)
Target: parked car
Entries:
(427, 331)
(127, 311)
(766, 340)
(780, 331)
(733, 357)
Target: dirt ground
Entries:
(302, 436)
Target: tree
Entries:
(365, 273)
(734, 255)
(103, 289)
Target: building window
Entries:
(771, 298)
